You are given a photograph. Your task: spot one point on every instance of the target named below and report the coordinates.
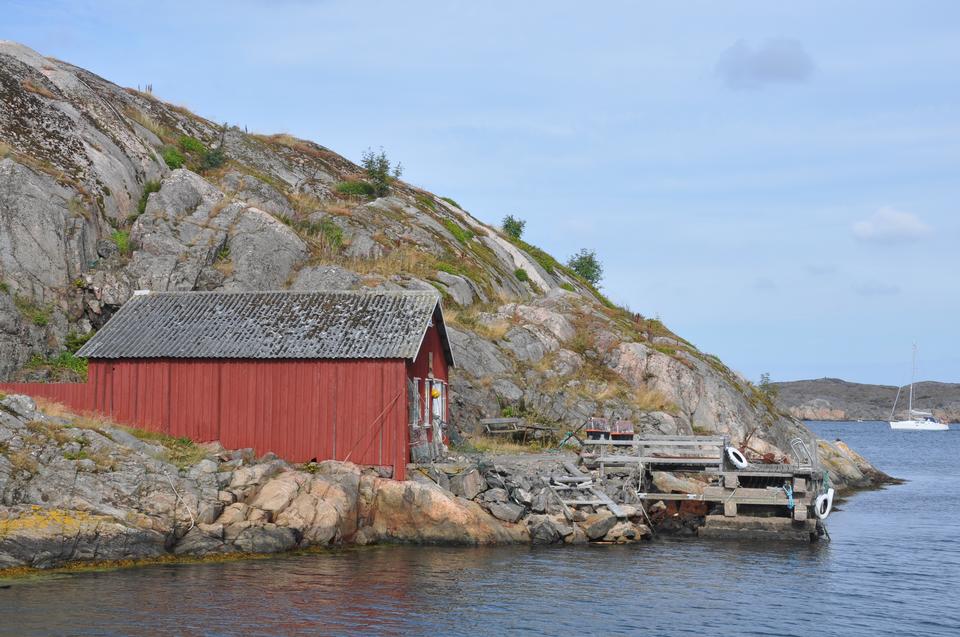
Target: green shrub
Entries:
(521, 275)
(213, 159)
(513, 226)
(148, 188)
(568, 287)
(459, 232)
(191, 145)
(452, 202)
(122, 239)
(62, 362)
(587, 266)
(359, 188)
(4, 287)
(173, 157)
(76, 341)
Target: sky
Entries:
(777, 182)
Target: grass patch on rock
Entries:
(65, 366)
(489, 444)
(32, 311)
(182, 452)
(122, 240)
(426, 201)
(452, 202)
(460, 233)
(355, 188)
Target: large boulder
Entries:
(268, 538)
(413, 512)
(262, 252)
(474, 355)
(506, 511)
(544, 530)
(468, 484)
(277, 494)
(599, 524)
(457, 287)
(323, 512)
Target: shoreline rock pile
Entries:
(514, 489)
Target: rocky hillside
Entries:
(835, 399)
(106, 190)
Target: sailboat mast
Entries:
(913, 374)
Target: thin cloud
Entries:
(889, 225)
(764, 284)
(776, 61)
(877, 288)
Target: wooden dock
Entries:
(783, 493)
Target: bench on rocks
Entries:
(502, 426)
(516, 428)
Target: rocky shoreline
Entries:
(77, 490)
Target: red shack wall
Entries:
(299, 409)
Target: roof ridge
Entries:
(371, 292)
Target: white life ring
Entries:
(737, 458)
(823, 504)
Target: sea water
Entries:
(892, 567)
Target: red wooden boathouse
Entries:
(358, 376)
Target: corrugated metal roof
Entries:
(268, 325)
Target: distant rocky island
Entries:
(835, 399)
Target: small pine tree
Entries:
(380, 171)
(587, 266)
(766, 387)
(513, 226)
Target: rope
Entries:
(193, 520)
(732, 493)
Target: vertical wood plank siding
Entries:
(353, 409)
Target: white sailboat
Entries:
(918, 420)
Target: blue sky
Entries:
(778, 183)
